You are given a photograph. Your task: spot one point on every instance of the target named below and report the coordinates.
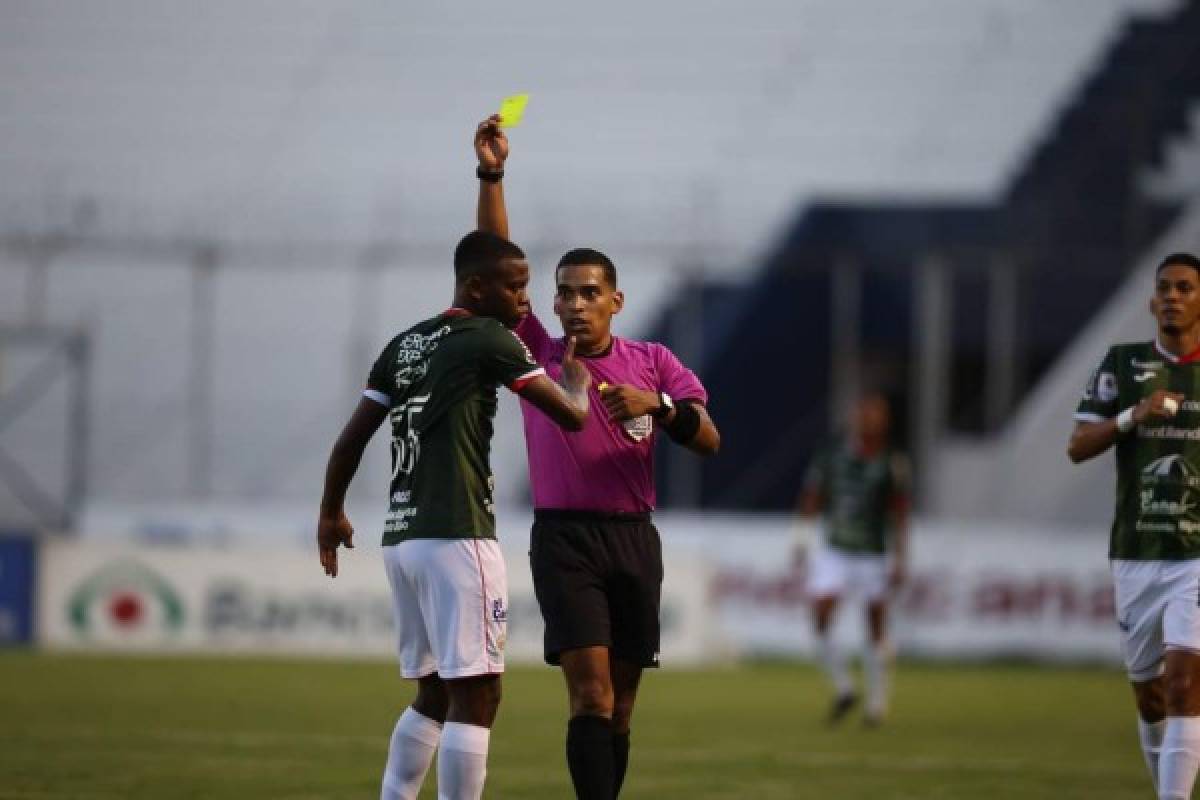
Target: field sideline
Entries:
(83, 727)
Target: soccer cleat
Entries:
(842, 705)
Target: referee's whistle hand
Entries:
(627, 402)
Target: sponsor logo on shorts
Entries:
(1124, 625)
(499, 612)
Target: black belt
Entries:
(578, 515)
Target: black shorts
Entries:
(598, 580)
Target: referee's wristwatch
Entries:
(665, 406)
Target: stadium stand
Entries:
(1067, 228)
(193, 183)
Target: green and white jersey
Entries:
(1158, 481)
(859, 494)
(438, 380)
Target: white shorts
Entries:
(450, 598)
(832, 572)
(1158, 609)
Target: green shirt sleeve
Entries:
(381, 381)
(1099, 401)
(505, 358)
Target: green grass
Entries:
(108, 727)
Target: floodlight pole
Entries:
(930, 378)
(202, 373)
(845, 335)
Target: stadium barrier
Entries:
(118, 596)
(734, 587)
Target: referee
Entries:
(595, 554)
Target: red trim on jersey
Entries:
(455, 311)
(1187, 358)
(523, 381)
(1190, 357)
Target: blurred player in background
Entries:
(858, 487)
(594, 552)
(437, 383)
(1145, 399)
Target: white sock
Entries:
(462, 762)
(1151, 736)
(834, 664)
(877, 659)
(1179, 759)
(414, 740)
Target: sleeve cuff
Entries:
(378, 397)
(520, 382)
(1087, 416)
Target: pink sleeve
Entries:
(677, 380)
(535, 336)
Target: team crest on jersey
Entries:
(639, 428)
(1106, 387)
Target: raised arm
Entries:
(1090, 439)
(491, 149)
(333, 528)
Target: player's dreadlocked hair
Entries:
(1181, 259)
(480, 251)
(587, 257)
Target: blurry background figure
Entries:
(859, 486)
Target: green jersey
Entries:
(438, 380)
(1158, 485)
(859, 494)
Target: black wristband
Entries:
(682, 429)
(489, 175)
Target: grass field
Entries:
(92, 727)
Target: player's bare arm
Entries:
(566, 404)
(491, 150)
(333, 528)
(1090, 439)
(898, 570)
(626, 402)
(810, 504)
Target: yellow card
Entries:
(512, 109)
(603, 385)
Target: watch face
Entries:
(665, 404)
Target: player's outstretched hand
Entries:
(627, 402)
(491, 144)
(575, 376)
(331, 532)
(1157, 406)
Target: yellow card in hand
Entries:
(512, 109)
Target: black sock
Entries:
(620, 760)
(590, 757)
